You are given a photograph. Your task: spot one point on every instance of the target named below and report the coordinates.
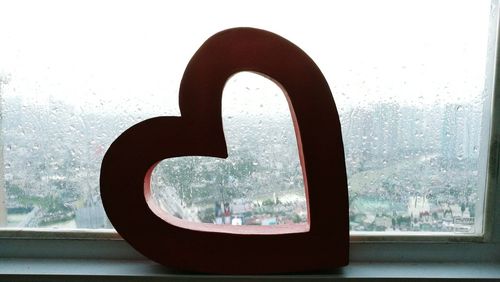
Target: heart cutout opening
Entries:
(258, 188)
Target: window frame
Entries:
(373, 248)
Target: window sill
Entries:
(143, 270)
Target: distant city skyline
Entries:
(394, 155)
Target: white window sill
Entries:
(143, 270)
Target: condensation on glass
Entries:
(408, 78)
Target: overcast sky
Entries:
(102, 54)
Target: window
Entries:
(413, 82)
(69, 89)
(413, 104)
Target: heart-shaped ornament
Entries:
(321, 243)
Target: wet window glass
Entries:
(408, 78)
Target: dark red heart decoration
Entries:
(322, 243)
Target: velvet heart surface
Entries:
(321, 243)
